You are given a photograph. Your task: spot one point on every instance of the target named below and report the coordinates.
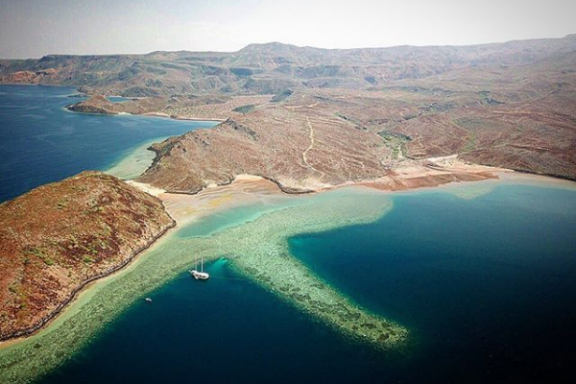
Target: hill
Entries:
(58, 237)
(308, 117)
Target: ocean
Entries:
(485, 286)
(482, 275)
(42, 142)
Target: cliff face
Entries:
(59, 236)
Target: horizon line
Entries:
(296, 46)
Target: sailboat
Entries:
(199, 275)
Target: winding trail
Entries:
(305, 153)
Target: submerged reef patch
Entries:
(258, 250)
(262, 254)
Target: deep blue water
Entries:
(41, 142)
(487, 288)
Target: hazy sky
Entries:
(33, 28)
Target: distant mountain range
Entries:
(271, 68)
(307, 117)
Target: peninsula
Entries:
(308, 118)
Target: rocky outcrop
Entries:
(298, 146)
(95, 104)
(59, 237)
(29, 77)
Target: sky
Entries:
(34, 28)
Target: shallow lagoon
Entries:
(483, 285)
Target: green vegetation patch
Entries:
(245, 108)
(39, 253)
(282, 96)
(396, 142)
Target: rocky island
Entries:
(57, 238)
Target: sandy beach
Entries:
(175, 117)
(248, 189)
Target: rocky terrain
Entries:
(182, 106)
(58, 237)
(317, 138)
(297, 144)
(304, 118)
(269, 68)
(308, 118)
(328, 117)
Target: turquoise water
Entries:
(42, 142)
(118, 99)
(223, 220)
(486, 287)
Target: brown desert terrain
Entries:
(59, 237)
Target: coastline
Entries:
(46, 320)
(185, 207)
(538, 179)
(174, 117)
(414, 175)
(244, 189)
(209, 202)
(81, 320)
(147, 114)
(104, 301)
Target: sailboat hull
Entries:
(199, 275)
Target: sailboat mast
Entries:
(202, 264)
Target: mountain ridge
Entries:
(268, 68)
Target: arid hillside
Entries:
(270, 68)
(316, 138)
(307, 117)
(60, 236)
(523, 118)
